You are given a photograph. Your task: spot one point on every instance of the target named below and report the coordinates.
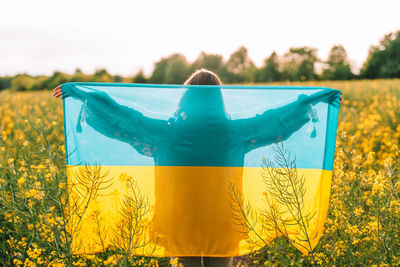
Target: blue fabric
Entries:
(178, 125)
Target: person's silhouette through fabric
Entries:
(200, 133)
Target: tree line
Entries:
(297, 64)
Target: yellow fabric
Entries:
(188, 207)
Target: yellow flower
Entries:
(35, 194)
(40, 166)
(34, 252)
(21, 181)
(358, 211)
(388, 161)
(61, 185)
(174, 261)
(17, 262)
(370, 158)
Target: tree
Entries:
(338, 65)
(384, 59)
(56, 79)
(298, 63)
(173, 69)
(240, 67)
(139, 77)
(79, 76)
(5, 82)
(158, 74)
(213, 62)
(39, 82)
(118, 79)
(22, 82)
(177, 69)
(101, 75)
(270, 71)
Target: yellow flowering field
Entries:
(363, 224)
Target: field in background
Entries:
(363, 221)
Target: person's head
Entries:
(203, 77)
(201, 102)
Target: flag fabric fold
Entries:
(176, 170)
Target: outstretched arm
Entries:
(279, 123)
(117, 121)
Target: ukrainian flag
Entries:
(177, 170)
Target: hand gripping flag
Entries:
(176, 170)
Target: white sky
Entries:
(41, 36)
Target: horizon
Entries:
(39, 40)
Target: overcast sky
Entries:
(39, 37)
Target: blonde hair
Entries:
(203, 77)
